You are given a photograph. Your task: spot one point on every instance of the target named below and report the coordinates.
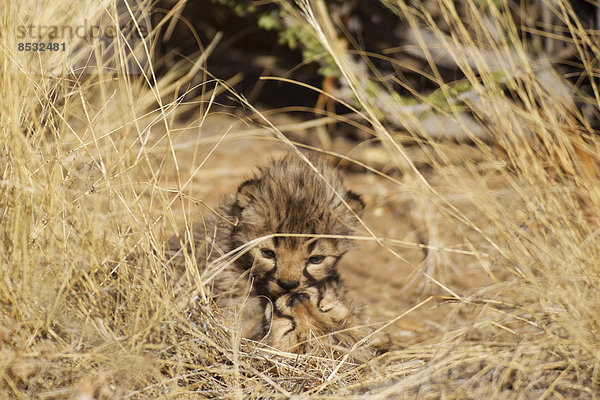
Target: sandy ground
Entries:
(386, 280)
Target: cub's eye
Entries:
(266, 253)
(316, 259)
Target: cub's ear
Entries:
(247, 192)
(355, 202)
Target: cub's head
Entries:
(289, 199)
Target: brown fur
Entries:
(318, 318)
(285, 198)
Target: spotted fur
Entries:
(319, 319)
(295, 296)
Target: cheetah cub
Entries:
(294, 298)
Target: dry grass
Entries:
(94, 179)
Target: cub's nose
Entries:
(297, 298)
(287, 285)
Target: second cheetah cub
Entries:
(296, 300)
(319, 318)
